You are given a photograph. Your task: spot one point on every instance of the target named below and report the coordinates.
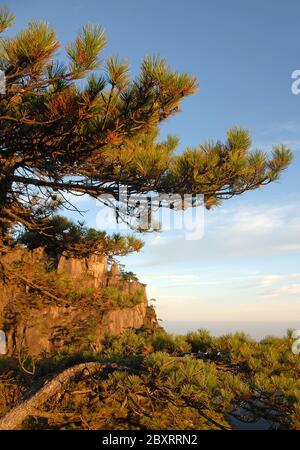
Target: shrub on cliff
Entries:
(114, 297)
(63, 236)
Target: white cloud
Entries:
(234, 272)
(257, 221)
(286, 290)
(268, 280)
(193, 280)
(250, 231)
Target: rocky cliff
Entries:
(103, 303)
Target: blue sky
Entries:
(246, 266)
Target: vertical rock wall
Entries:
(49, 326)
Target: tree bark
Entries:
(15, 417)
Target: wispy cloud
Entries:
(278, 285)
(250, 231)
(287, 290)
(233, 272)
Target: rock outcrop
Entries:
(33, 328)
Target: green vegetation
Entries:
(129, 276)
(113, 297)
(156, 382)
(46, 285)
(63, 236)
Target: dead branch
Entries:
(22, 365)
(14, 418)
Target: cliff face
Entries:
(46, 326)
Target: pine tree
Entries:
(59, 136)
